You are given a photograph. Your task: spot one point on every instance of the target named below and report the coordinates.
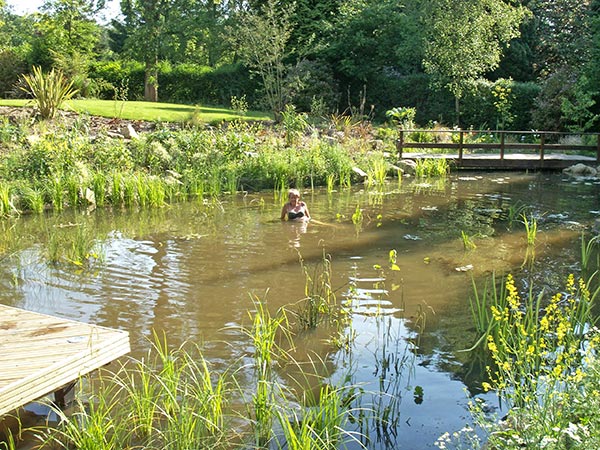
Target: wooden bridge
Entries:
(42, 355)
(517, 150)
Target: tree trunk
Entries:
(151, 82)
(457, 109)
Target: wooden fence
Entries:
(502, 149)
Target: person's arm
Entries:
(283, 212)
(306, 211)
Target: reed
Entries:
(99, 187)
(530, 229)
(330, 182)
(32, 199)
(377, 173)
(142, 189)
(116, 183)
(514, 212)
(56, 192)
(130, 184)
(73, 188)
(263, 335)
(6, 205)
(318, 426)
(95, 425)
(523, 341)
(319, 304)
(588, 250)
(467, 241)
(83, 250)
(542, 350)
(357, 216)
(432, 167)
(157, 194)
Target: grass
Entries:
(149, 111)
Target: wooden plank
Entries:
(39, 354)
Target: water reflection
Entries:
(191, 271)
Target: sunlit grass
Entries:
(151, 111)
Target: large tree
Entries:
(465, 40)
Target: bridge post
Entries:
(460, 146)
(501, 144)
(400, 144)
(542, 141)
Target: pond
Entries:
(193, 271)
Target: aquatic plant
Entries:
(543, 353)
(357, 217)
(56, 193)
(319, 304)
(263, 334)
(99, 187)
(467, 241)
(431, 167)
(530, 229)
(588, 250)
(319, 425)
(32, 199)
(514, 212)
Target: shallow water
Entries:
(192, 270)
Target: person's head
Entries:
(293, 193)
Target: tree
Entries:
(465, 40)
(145, 20)
(261, 40)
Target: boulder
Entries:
(407, 166)
(580, 170)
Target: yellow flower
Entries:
(486, 386)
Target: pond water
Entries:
(192, 270)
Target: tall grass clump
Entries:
(432, 167)
(171, 399)
(318, 425)
(264, 334)
(590, 249)
(49, 90)
(319, 304)
(6, 201)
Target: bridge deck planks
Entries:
(40, 354)
(515, 161)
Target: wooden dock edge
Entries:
(98, 347)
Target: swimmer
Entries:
(294, 209)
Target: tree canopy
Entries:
(325, 55)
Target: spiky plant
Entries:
(49, 90)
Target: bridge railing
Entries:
(499, 141)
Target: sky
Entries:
(30, 6)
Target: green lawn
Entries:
(164, 112)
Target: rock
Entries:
(407, 165)
(129, 132)
(359, 171)
(580, 170)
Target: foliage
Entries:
(49, 91)
(261, 41)
(543, 358)
(404, 117)
(465, 40)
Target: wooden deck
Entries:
(514, 161)
(40, 354)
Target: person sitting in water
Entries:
(294, 209)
